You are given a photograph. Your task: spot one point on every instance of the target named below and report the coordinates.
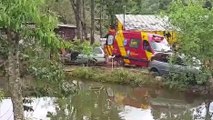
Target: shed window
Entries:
(134, 43)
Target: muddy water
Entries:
(96, 101)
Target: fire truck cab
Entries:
(135, 47)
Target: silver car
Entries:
(96, 57)
(161, 64)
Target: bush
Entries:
(183, 80)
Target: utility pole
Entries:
(124, 16)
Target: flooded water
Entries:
(96, 101)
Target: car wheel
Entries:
(154, 72)
(92, 62)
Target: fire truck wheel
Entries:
(120, 62)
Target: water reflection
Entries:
(40, 106)
(89, 103)
(95, 101)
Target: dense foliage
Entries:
(26, 30)
(193, 21)
(195, 25)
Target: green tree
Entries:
(195, 30)
(16, 31)
(194, 20)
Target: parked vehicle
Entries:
(134, 47)
(96, 57)
(166, 63)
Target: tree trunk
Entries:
(76, 5)
(14, 78)
(92, 21)
(101, 10)
(208, 116)
(78, 20)
(84, 26)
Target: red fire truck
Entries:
(134, 47)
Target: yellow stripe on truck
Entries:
(105, 50)
(149, 55)
(109, 49)
(120, 39)
(146, 37)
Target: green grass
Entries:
(117, 75)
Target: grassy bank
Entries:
(134, 77)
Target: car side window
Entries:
(161, 58)
(97, 51)
(146, 46)
(134, 43)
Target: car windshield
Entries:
(160, 46)
(169, 58)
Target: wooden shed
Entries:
(66, 31)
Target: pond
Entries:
(98, 101)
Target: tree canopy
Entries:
(195, 28)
